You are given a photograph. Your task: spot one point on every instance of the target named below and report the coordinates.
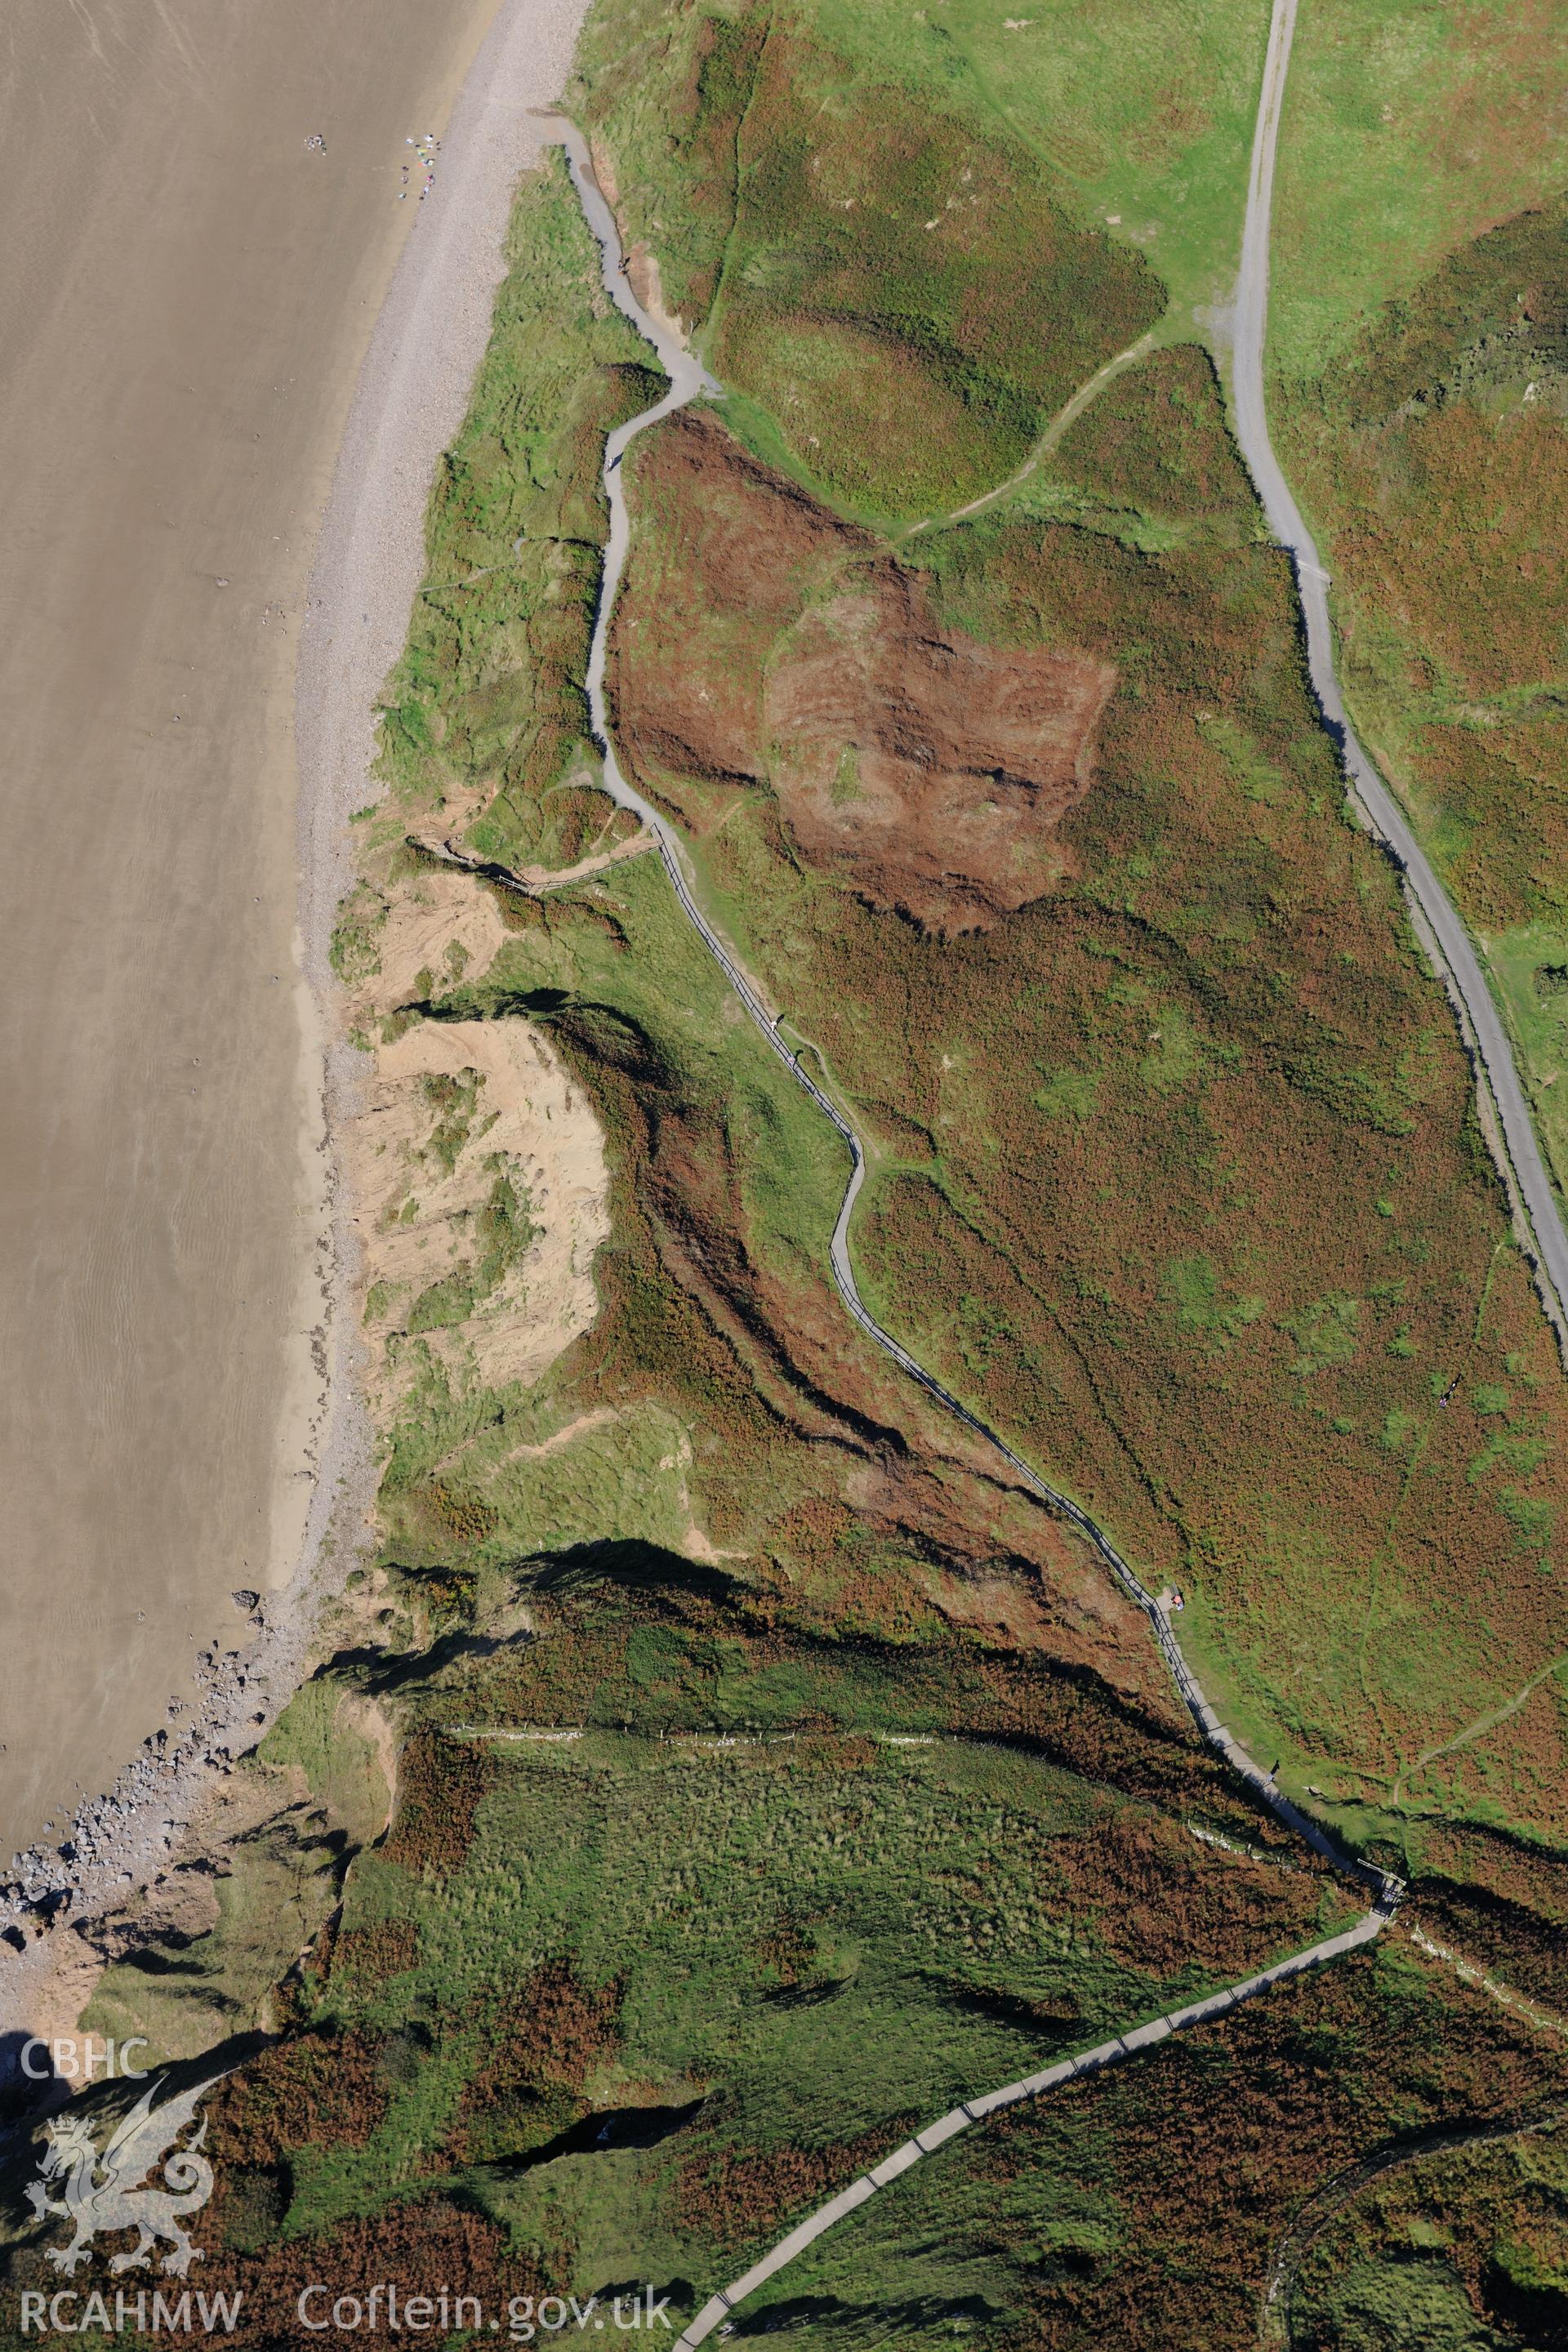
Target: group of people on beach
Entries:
(426, 150)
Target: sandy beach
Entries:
(204, 209)
(204, 1462)
(412, 395)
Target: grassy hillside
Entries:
(1140, 118)
(1409, 129)
(905, 247)
(1435, 449)
(687, 1911)
(1179, 1179)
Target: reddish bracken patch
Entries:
(933, 770)
(314, 2089)
(440, 1786)
(734, 2195)
(761, 642)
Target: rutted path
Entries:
(688, 379)
(1057, 430)
(1480, 1022)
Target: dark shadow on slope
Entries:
(608, 2130)
(632, 1565)
(1043, 2025)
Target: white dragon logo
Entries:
(102, 2194)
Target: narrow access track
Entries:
(688, 380)
(1481, 1023)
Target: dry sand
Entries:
(167, 1246)
(188, 288)
(452, 1105)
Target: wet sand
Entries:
(188, 289)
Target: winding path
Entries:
(1481, 1023)
(688, 380)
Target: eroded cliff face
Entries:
(478, 1165)
(761, 643)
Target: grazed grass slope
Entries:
(1408, 131)
(1140, 115)
(901, 292)
(1072, 2226)
(759, 1953)
(629, 2003)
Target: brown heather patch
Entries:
(543, 2041)
(742, 2194)
(929, 770)
(1213, 2143)
(420, 2246)
(375, 1953)
(556, 2028)
(1162, 1901)
(725, 550)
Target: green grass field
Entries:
(805, 1943)
(1409, 130)
(905, 244)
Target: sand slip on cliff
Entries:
(479, 1180)
(476, 1167)
(412, 395)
